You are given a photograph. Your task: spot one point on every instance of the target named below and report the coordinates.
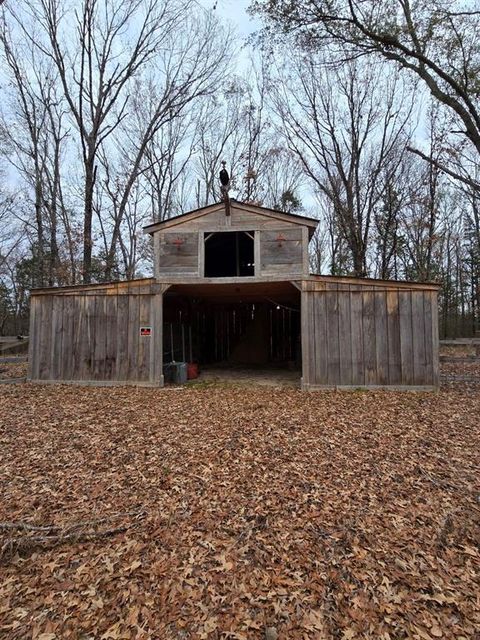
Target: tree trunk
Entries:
(90, 175)
(40, 252)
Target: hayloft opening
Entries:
(229, 254)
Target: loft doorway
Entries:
(229, 254)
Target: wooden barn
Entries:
(232, 287)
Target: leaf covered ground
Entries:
(10, 370)
(233, 512)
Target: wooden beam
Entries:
(371, 282)
(156, 347)
(103, 287)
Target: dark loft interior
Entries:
(229, 254)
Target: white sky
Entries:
(234, 11)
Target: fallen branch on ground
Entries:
(54, 535)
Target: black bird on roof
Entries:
(224, 177)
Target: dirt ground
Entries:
(271, 377)
(239, 513)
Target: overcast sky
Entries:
(234, 11)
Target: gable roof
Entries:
(261, 211)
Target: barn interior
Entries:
(234, 329)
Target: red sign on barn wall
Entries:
(145, 332)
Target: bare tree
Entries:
(34, 122)
(10, 233)
(282, 180)
(344, 124)
(220, 136)
(185, 72)
(167, 159)
(26, 139)
(318, 249)
(110, 43)
(435, 41)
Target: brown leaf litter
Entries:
(238, 513)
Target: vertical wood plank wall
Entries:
(178, 253)
(362, 335)
(93, 335)
(354, 334)
(282, 251)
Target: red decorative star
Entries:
(178, 243)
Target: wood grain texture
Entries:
(69, 310)
(310, 337)
(333, 338)
(133, 337)
(305, 256)
(45, 345)
(156, 351)
(111, 318)
(356, 334)
(100, 336)
(156, 252)
(56, 336)
(406, 337)
(373, 338)
(33, 341)
(121, 363)
(281, 251)
(306, 329)
(201, 254)
(140, 285)
(318, 338)
(144, 342)
(428, 320)
(318, 281)
(240, 214)
(369, 337)
(418, 338)
(381, 337)
(289, 255)
(288, 233)
(435, 338)
(344, 337)
(92, 337)
(393, 339)
(178, 253)
(82, 367)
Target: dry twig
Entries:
(83, 531)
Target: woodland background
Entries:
(363, 114)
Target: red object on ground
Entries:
(192, 370)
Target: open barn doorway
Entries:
(235, 332)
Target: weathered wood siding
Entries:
(241, 218)
(92, 334)
(280, 245)
(178, 253)
(281, 251)
(368, 335)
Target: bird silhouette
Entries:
(224, 177)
